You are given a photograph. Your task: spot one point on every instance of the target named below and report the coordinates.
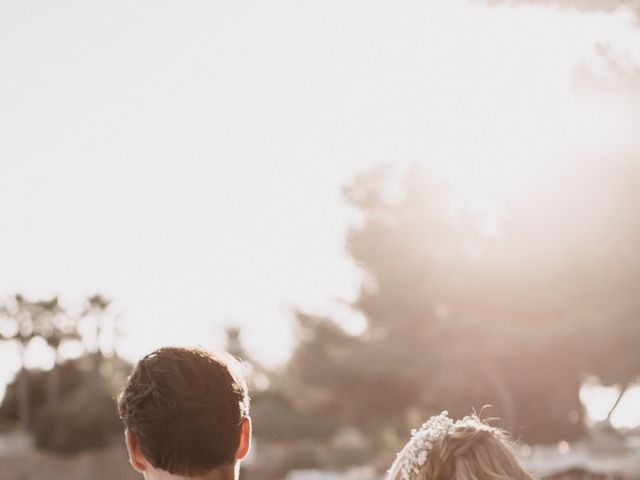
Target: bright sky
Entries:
(186, 158)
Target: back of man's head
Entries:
(185, 408)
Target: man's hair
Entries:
(185, 407)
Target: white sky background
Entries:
(186, 158)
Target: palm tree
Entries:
(95, 310)
(21, 329)
(25, 320)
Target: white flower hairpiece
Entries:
(414, 455)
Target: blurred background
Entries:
(385, 209)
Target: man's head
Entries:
(185, 413)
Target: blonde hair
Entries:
(468, 453)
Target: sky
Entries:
(186, 159)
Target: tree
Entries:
(25, 320)
(96, 311)
(458, 317)
(22, 320)
(21, 331)
(85, 417)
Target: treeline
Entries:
(514, 308)
(70, 406)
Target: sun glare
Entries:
(524, 113)
(599, 399)
(233, 179)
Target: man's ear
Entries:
(136, 458)
(245, 439)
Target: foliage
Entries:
(460, 315)
(85, 419)
(85, 416)
(36, 385)
(276, 419)
(22, 320)
(335, 374)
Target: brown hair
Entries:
(469, 453)
(185, 407)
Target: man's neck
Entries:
(226, 472)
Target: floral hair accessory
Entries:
(472, 421)
(414, 455)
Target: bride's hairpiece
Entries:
(414, 455)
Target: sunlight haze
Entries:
(187, 159)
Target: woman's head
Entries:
(469, 449)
